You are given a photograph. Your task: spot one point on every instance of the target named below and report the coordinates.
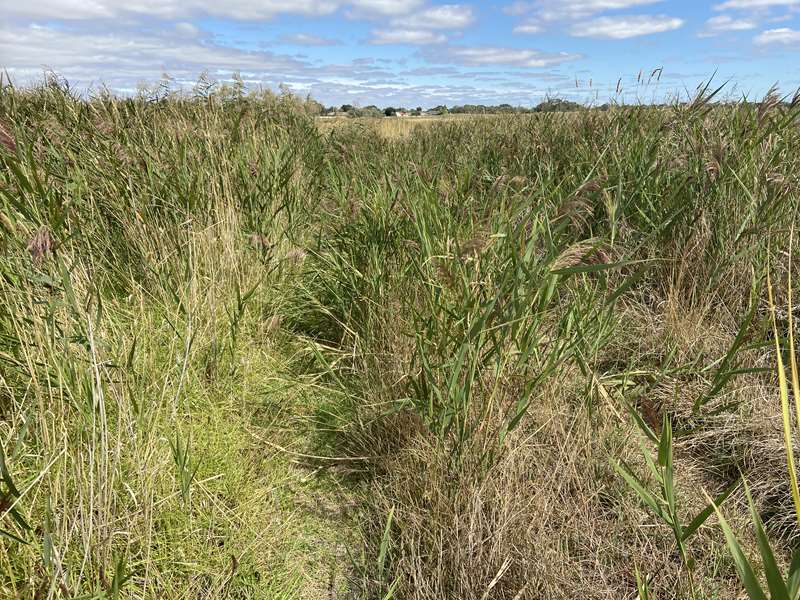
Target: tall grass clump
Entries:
(778, 584)
(144, 254)
(499, 294)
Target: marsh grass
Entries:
(244, 354)
(137, 379)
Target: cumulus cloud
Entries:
(418, 28)
(415, 37)
(518, 8)
(306, 39)
(123, 42)
(123, 59)
(61, 9)
(782, 36)
(492, 56)
(390, 8)
(541, 13)
(754, 4)
(564, 10)
(624, 27)
(168, 9)
(446, 16)
(724, 23)
(176, 9)
(186, 30)
(529, 27)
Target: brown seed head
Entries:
(587, 252)
(7, 223)
(577, 209)
(258, 241)
(296, 255)
(41, 245)
(444, 273)
(7, 139)
(273, 324)
(587, 187)
(473, 247)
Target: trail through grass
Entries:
(217, 496)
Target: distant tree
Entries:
(313, 108)
(480, 109)
(558, 105)
(346, 108)
(367, 111)
(390, 111)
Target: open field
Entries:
(247, 354)
(393, 127)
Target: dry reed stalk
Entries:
(7, 138)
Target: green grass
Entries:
(243, 356)
(144, 394)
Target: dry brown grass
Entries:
(7, 138)
(550, 519)
(391, 127)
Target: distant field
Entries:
(247, 353)
(393, 126)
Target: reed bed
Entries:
(245, 355)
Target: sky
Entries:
(411, 52)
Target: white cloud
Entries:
(445, 16)
(177, 9)
(417, 28)
(754, 4)
(516, 9)
(624, 27)
(492, 56)
(168, 9)
(541, 13)
(565, 10)
(529, 27)
(782, 35)
(388, 8)
(62, 9)
(186, 30)
(119, 55)
(306, 39)
(416, 37)
(122, 59)
(724, 23)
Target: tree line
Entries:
(549, 105)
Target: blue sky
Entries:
(412, 52)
